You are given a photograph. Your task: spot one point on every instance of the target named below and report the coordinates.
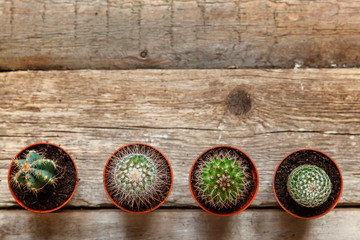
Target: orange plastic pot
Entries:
(336, 199)
(127, 210)
(10, 173)
(254, 173)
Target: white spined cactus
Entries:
(138, 177)
(135, 173)
(309, 185)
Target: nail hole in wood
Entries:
(144, 53)
(238, 101)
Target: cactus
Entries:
(221, 180)
(135, 173)
(34, 172)
(138, 177)
(309, 185)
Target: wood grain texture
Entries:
(112, 34)
(182, 112)
(176, 224)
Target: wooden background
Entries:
(91, 113)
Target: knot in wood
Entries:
(239, 102)
(144, 53)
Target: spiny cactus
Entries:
(309, 185)
(138, 177)
(221, 180)
(33, 172)
(135, 174)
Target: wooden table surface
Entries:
(91, 113)
(81, 94)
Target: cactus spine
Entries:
(221, 180)
(309, 185)
(33, 172)
(138, 177)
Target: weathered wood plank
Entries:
(111, 34)
(176, 224)
(182, 112)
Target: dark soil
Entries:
(293, 161)
(50, 197)
(162, 193)
(245, 197)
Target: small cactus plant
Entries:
(138, 177)
(135, 174)
(309, 185)
(34, 172)
(222, 180)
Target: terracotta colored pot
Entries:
(109, 194)
(11, 168)
(252, 195)
(334, 203)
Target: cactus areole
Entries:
(138, 178)
(223, 180)
(42, 177)
(307, 183)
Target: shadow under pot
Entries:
(223, 180)
(42, 177)
(307, 183)
(138, 178)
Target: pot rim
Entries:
(337, 198)
(253, 172)
(127, 210)
(9, 178)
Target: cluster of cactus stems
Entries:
(221, 180)
(309, 185)
(137, 177)
(34, 172)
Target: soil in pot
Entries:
(51, 196)
(138, 178)
(232, 202)
(296, 159)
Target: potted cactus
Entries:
(138, 178)
(307, 183)
(42, 177)
(223, 180)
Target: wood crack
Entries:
(75, 29)
(107, 20)
(171, 24)
(12, 19)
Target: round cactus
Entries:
(33, 172)
(135, 174)
(138, 177)
(222, 180)
(309, 185)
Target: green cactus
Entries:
(33, 172)
(309, 185)
(222, 180)
(136, 174)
